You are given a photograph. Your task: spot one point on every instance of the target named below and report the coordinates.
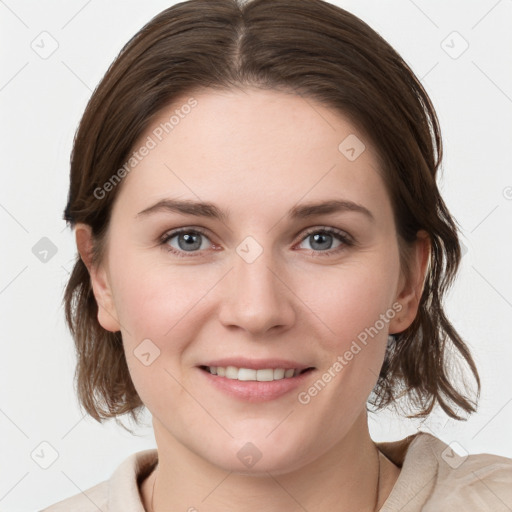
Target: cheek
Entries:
(154, 305)
(158, 311)
(350, 300)
(154, 300)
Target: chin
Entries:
(258, 457)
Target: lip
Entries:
(257, 364)
(255, 391)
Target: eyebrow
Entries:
(302, 211)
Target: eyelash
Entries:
(340, 235)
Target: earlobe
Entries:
(411, 290)
(100, 282)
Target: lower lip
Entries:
(255, 391)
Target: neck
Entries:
(348, 477)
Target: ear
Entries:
(410, 290)
(100, 282)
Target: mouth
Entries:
(253, 374)
(255, 380)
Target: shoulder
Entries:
(454, 480)
(92, 499)
(120, 493)
(479, 481)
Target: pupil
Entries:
(191, 242)
(321, 238)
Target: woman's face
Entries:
(262, 277)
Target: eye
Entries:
(321, 241)
(183, 241)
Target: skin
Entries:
(256, 154)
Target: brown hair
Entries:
(319, 51)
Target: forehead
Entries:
(252, 149)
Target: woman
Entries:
(263, 252)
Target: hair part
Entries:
(310, 48)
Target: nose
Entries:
(255, 297)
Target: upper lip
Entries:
(257, 364)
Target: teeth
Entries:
(244, 374)
(279, 373)
(231, 372)
(263, 375)
(266, 375)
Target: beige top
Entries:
(433, 478)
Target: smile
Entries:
(250, 374)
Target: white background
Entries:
(41, 102)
